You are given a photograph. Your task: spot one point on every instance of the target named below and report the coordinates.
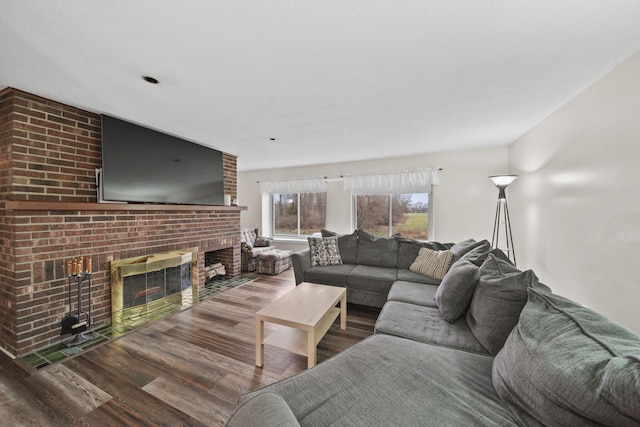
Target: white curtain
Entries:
(393, 182)
(300, 185)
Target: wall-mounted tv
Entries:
(142, 165)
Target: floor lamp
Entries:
(502, 216)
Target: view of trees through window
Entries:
(298, 214)
(384, 215)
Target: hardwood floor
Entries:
(185, 370)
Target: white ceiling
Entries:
(331, 80)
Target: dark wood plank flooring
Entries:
(185, 370)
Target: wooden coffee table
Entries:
(306, 313)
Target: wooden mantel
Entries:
(32, 205)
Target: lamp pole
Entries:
(502, 216)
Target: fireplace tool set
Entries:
(76, 323)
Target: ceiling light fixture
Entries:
(150, 80)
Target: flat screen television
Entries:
(142, 165)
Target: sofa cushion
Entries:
(461, 248)
(564, 364)
(408, 250)
(385, 380)
(432, 263)
(378, 279)
(425, 324)
(478, 254)
(247, 237)
(324, 251)
(262, 242)
(413, 293)
(336, 275)
(409, 276)
(377, 251)
(500, 295)
(456, 290)
(347, 244)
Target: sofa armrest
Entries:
(264, 410)
(301, 262)
(259, 250)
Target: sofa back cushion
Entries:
(564, 364)
(377, 251)
(347, 244)
(454, 294)
(248, 237)
(500, 295)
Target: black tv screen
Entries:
(142, 165)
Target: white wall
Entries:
(464, 203)
(576, 206)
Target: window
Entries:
(298, 214)
(385, 215)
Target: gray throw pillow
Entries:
(564, 364)
(432, 263)
(454, 294)
(500, 295)
(324, 251)
(461, 248)
(478, 254)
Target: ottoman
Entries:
(274, 261)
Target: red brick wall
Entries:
(49, 153)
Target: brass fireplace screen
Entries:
(145, 284)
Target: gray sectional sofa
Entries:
(370, 265)
(488, 345)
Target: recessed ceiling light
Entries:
(272, 139)
(150, 80)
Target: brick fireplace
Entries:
(49, 152)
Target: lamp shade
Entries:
(503, 180)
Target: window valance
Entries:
(299, 185)
(392, 182)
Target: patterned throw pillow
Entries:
(324, 251)
(432, 263)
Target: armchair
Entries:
(252, 245)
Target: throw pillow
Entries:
(263, 242)
(408, 250)
(432, 263)
(461, 248)
(324, 251)
(454, 294)
(500, 295)
(564, 364)
(347, 245)
(478, 254)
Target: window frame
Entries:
(297, 236)
(430, 222)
